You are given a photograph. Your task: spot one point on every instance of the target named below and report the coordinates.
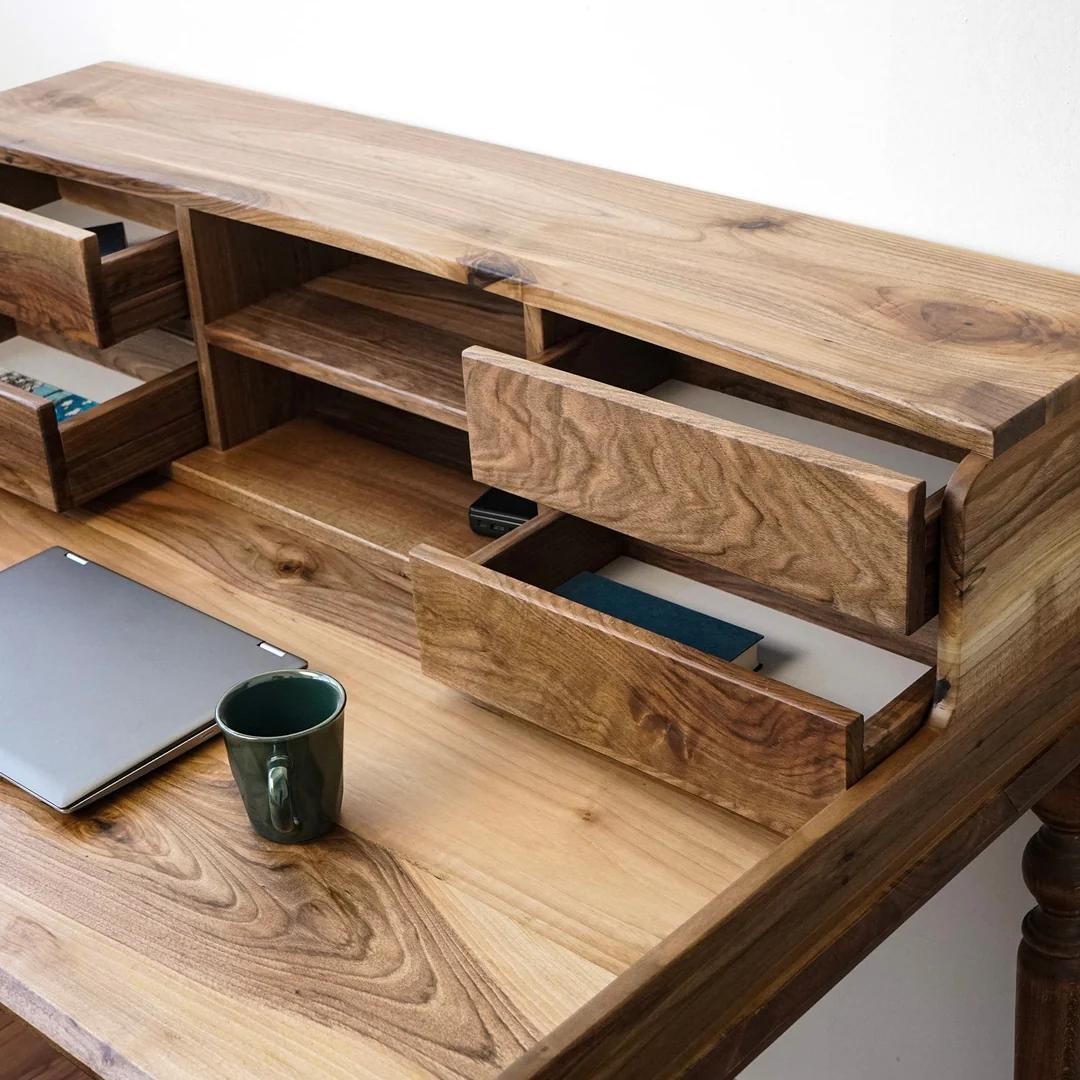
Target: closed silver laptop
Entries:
(103, 679)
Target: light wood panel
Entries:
(800, 519)
(371, 500)
(468, 902)
(973, 350)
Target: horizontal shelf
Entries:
(348, 329)
(339, 488)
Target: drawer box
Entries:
(581, 434)
(60, 465)
(52, 276)
(492, 627)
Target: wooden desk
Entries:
(500, 900)
(488, 879)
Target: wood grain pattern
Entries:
(144, 356)
(767, 751)
(370, 500)
(1010, 571)
(143, 286)
(973, 350)
(807, 521)
(485, 318)
(228, 266)
(465, 905)
(123, 204)
(1009, 528)
(366, 351)
(50, 275)
(31, 457)
(133, 433)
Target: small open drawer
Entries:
(638, 439)
(59, 464)
(492, 627)
(53, 277)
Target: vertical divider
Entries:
(228, 265)
(543, 329)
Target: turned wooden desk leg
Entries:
(1048, 964)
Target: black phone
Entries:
(496, 512)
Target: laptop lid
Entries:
(100, 675)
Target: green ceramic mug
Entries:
(283, 731)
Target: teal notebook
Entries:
(689, 627)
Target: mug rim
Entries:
(268, 676)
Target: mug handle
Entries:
(277, 790)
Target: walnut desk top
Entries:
(971, 349)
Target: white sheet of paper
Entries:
(934, 470)
(71, 373)
(802, 654)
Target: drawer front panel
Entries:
(31, 460)
(52, 278)
(50, 275)
(803, 520)
(769, 752)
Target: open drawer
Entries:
(638, 439)
(52, 275)
(150, 412)
(756, 742)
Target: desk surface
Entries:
(487, 881)
(971, 349)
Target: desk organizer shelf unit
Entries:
(861, 441)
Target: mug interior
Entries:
(280, 705)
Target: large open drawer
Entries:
(53, 277)
(491, 626)
(61, 464)
(581, 434)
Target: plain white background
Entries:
(951, 120)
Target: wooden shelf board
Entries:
(339, 488)
(374, 353)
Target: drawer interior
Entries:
(60, 276)
(74, 426)
(775, 745)
(791, 492)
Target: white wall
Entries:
(954, 120)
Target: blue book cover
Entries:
(714, 636)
